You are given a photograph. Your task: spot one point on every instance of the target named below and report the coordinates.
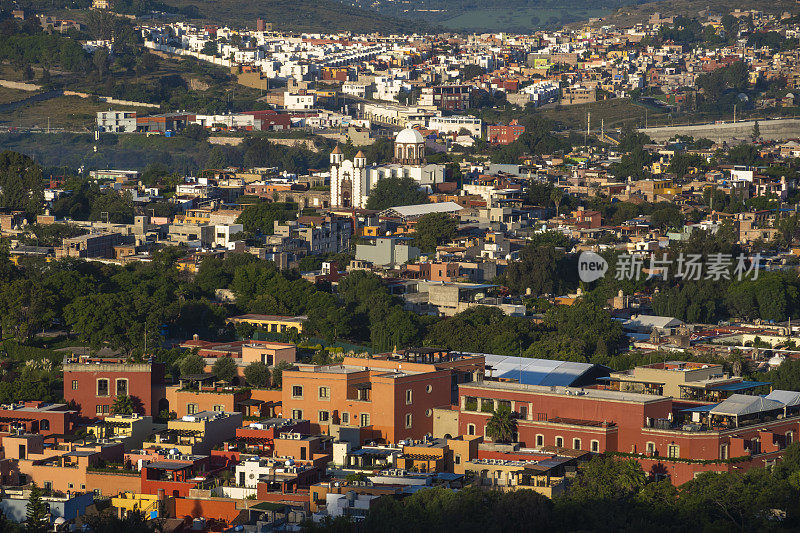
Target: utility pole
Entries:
(734, 113)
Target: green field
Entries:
(614, 113)
(514, 19)
(12, 95)
(65, 112)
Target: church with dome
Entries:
(352, 180)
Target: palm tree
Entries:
(556, 196)
(123, 405)
(501, 426)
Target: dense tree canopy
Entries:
(394, 192)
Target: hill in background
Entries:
(296, 15)
(635, 14)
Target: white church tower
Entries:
(352, 181)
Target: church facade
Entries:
(352, 180)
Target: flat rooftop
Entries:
(597, 394)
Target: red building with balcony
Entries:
(669, 438)
(94, 383)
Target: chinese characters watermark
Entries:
(688, 267)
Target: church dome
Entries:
(409, 136)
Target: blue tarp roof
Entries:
(537, 371)
(742, 385)
(701, 408)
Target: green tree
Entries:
(756, 134)
(21, 186)
(277, 373)
(260, 218)
(502, 426)
(123, 405)
(192, 364)
(257, 374)
(36, 517)
(224, 369)
(394, 192)
(433, 229)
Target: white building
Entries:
(357, 89)
(455, 124)
(297, 102)
(349, 504)
(541, 93)
(352, 180)
(116, 121)
(223, 234)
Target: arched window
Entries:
(560, 442)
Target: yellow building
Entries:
(197, 433)
(148, 504)
(271, 323)
(131, 430)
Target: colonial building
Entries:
(352, 180)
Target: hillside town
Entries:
(414, 268)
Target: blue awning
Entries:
(742, 385)
(700, 408)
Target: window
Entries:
(673, 451)
(429, 388)
(105, 409)
(74, 384)
(83, 487)
(48, 485)
(576, 444)
(470, 429)
(324, 393)
(596, 446)
(44, 425)
(297, 414)
(723, 451)
(560, 442)
(539, 441)
(523, 412)
(428, 412)
(408, 396)
(102, 387)
(324, 416)
(69, 485)
(219, 408)
(408, 420)
(650, 447)
(457, 459)
(364, 419)
(297, 391)
(191, 408)
(122, 387)
(789, 437)
(98, 410)
(345, 418)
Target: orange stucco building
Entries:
(392, 393)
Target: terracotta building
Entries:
(94, 383)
